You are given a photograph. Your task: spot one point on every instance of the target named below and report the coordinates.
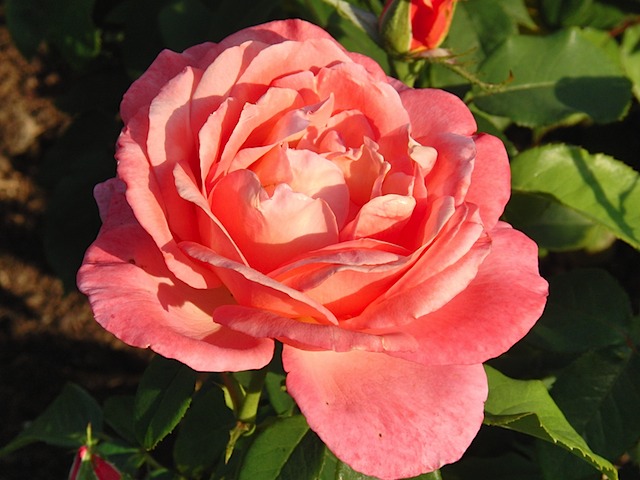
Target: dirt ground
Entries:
(47, 336)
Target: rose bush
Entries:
(274, 186)
(414, 26)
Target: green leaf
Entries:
(584, 13)
(124, 456)
(78, 161)
(527, 407)
(630, 56)
(554, 79)
(142, 39)
(601, 188)
(365, 21)
(233, 15)
(162, 398)
(345, 472)
(280, 400)
(553, 226)
(491, 21)
(285, 450)
(558, 11)
(509, 466)
(63, 423)
(604, 40)
(73, 32)
(118, 413)
(289, 450)
(27, 22)
(184, 23)
(66, 25)
(557, 463)
(517, 10)
(599, 393)
(86, 471)
(586, 309)
(477, 28)
(204, 433)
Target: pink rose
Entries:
(413, 26)
(274, 186)
(100, 468)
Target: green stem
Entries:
(235, 391)
(407, 71)
(472, 78)
(249, 407)
(435, 475)
(246, 408)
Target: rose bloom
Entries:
(274, 186)
(413, 26)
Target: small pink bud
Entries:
(102, 469)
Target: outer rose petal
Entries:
(252, 288)
(306, 333)
(145, 197)
(495, 310)
(434, 112)
(491, 179)
(135, 297)
(279, 31)
(387, 417)
(166, 66)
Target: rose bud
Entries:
(89, 465)
(415, 26)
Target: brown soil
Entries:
(47, 336)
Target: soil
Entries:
(47, 336)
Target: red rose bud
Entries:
(413, 26)
(89, 465)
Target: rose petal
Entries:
(291, 57)
(392, 312)
(381, 218)
(383, 416)
(212, 232)
(309, 173)
(306, 333)
(490, 186)
(146, 199)
(349, 277)
(252, 288)
(354, 89)
(271, 230)
(255, 124)
(166, 65)
(442, 271)
(434, 111)
(281, 30)
(451, 173)
(213, 136)
(495, 310)
(214, 86)
(135, 297)
(364, 170)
